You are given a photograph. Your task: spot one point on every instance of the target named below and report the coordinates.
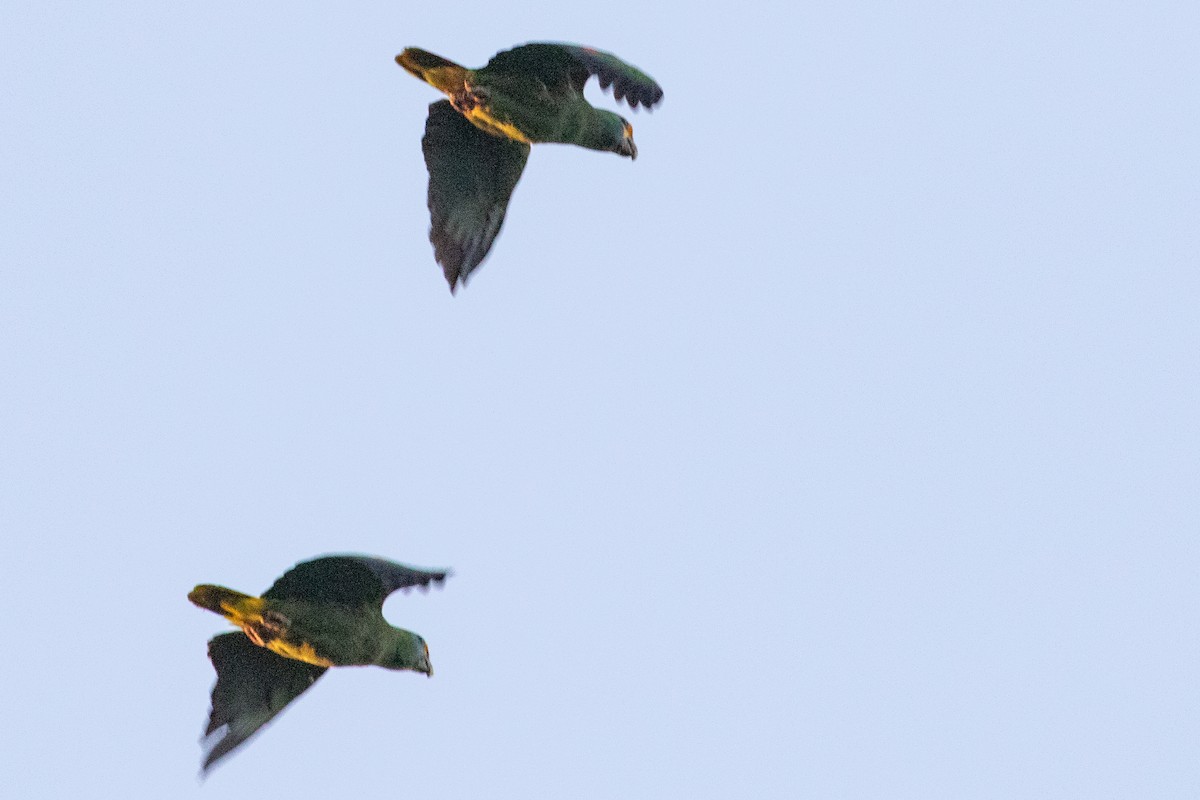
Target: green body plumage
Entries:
(321, 613)
(530, 94)
(324, 634)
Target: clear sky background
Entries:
(844, 445)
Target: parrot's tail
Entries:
(438, 72)
(238, 608)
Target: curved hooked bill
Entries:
(627, 147)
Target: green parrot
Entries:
(476, 143)
(323, 613)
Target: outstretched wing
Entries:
(349, 580)
(556, 65)
(253, 685)
(472, 175)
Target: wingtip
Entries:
(434, 580)
(211, 756)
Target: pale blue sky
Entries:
(845, 445)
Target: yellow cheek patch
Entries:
(299, 652)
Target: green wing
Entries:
(568, 65)
(472, 175)
(349, 580)
(253, 685)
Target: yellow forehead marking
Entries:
(628, 131)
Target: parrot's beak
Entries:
(627, 147)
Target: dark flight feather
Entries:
(253, 685)
(472, 175)
(349, 580)
(559, 65)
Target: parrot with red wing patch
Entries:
(477, 141)
(323, 613)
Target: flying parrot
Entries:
(323, 613)
(476, 142)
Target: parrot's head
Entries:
(423, 664)
(616, 135)
(408, 651)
